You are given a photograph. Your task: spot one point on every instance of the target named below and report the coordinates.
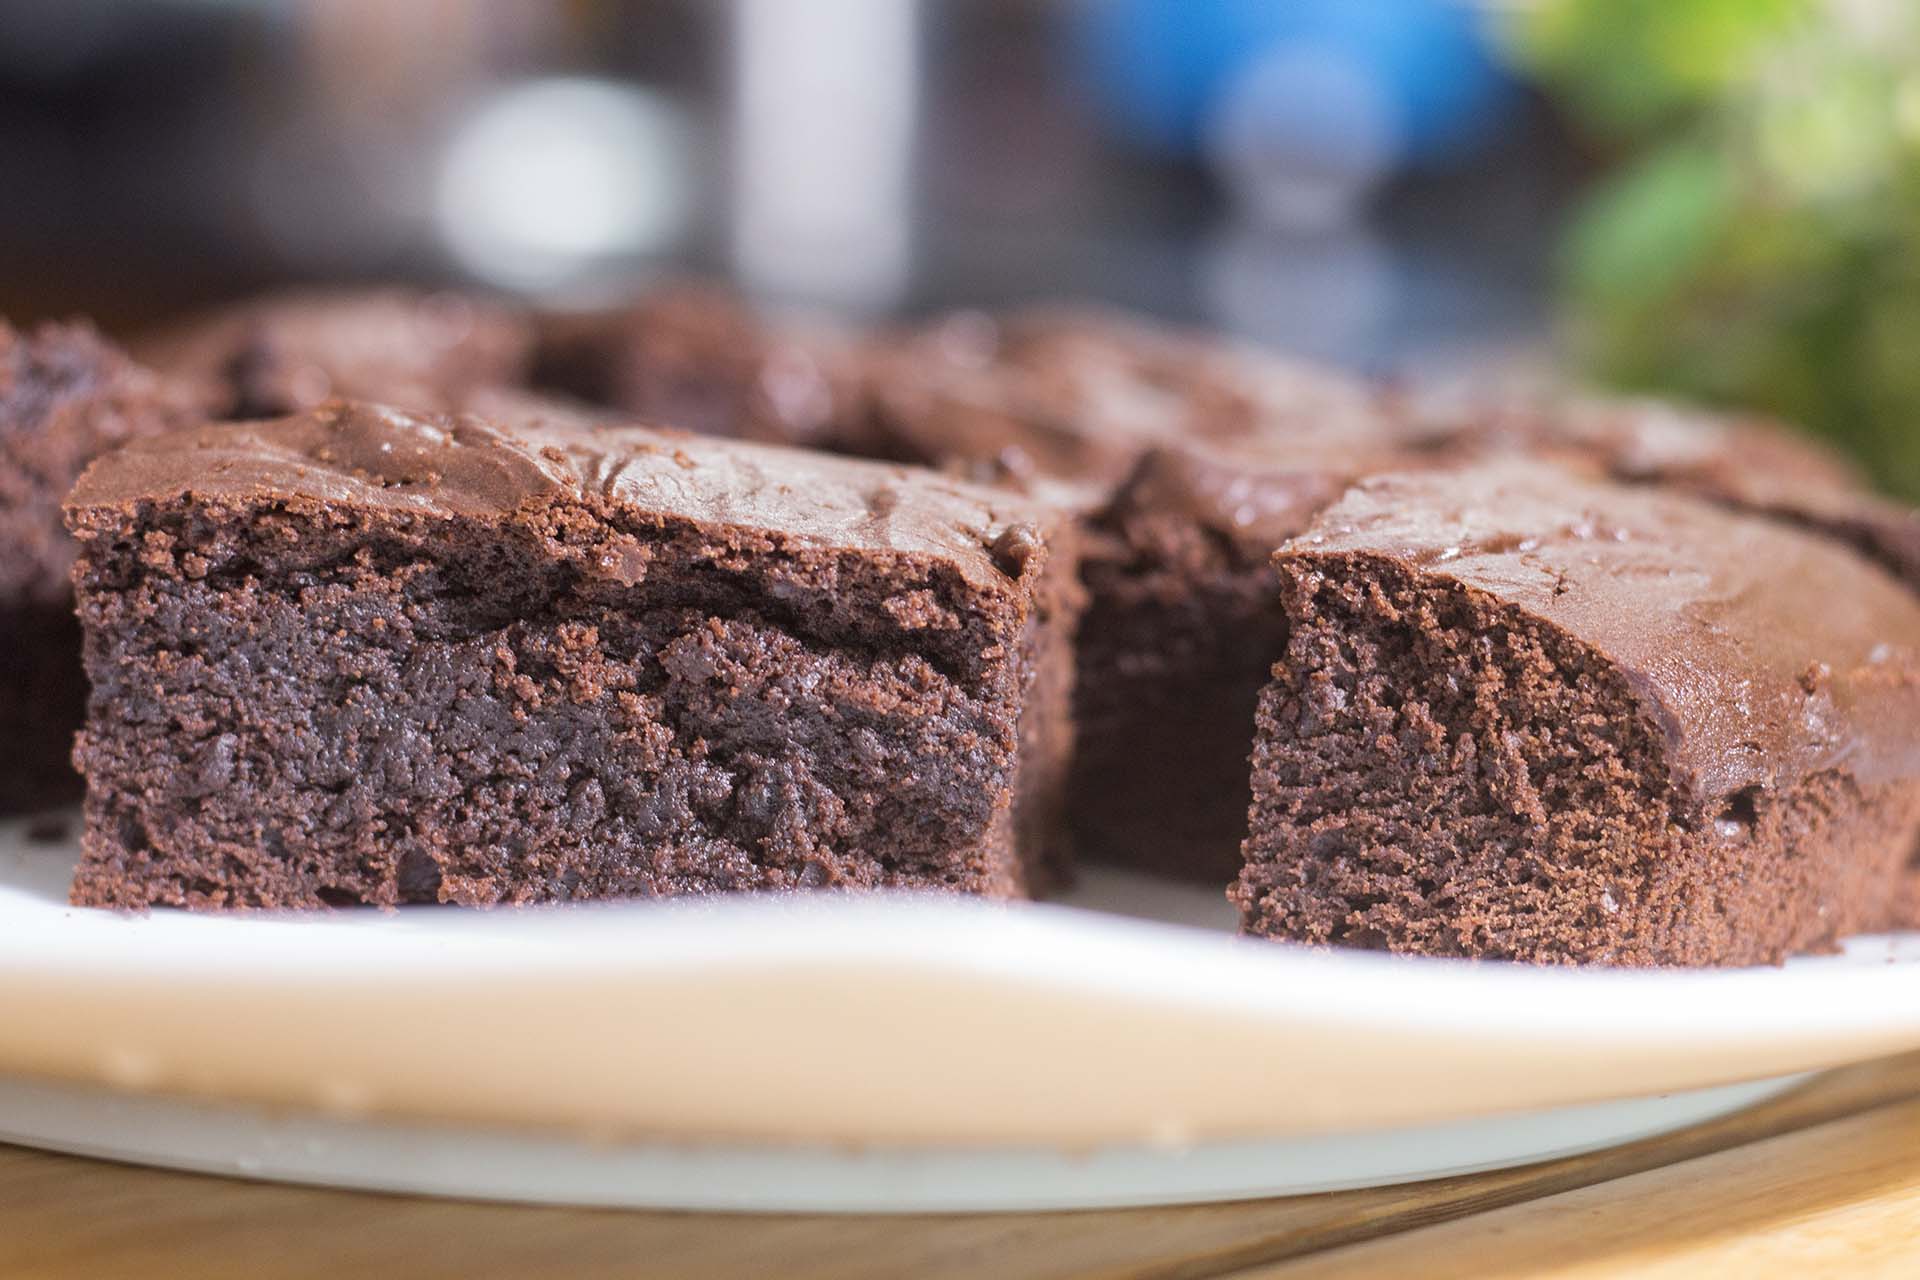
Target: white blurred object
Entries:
(1303, 136)
(1328, 294)
(552, 181)
(824, 102)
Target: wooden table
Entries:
(1822, 1181)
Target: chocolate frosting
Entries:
(1766, 655)
(382, 459)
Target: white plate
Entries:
(951, 1036)
(252, 1141)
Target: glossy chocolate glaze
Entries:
(380, 458)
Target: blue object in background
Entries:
(1160, 69)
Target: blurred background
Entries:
(1716, 197)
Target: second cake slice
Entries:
(359, 656)
(1525, 716)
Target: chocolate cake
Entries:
(357, 656)
(1739, 459)
(278, 354)
(1182, 628)
(1530, 717)
(65, 395)
(1184, 621)
(1743, 462)
(1081, 396)
(703, 359)
(1188, 462)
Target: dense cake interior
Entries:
(1183, 626)
(1440, 772)
(66, 395)
(1169, 675)
(301, 704)
(42, 693)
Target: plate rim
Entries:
(153, 1002)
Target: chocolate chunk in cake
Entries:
(420, 350)
(358, 656)
(702, 359)
(66, 395)
(1529, 717)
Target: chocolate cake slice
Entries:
(66, 395)
(1080, 396)
(1530, 717)
(274, 355)
(703, 359)
(358, 656)
(1184, 621)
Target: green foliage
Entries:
(1759, 243)
(1633, 65)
